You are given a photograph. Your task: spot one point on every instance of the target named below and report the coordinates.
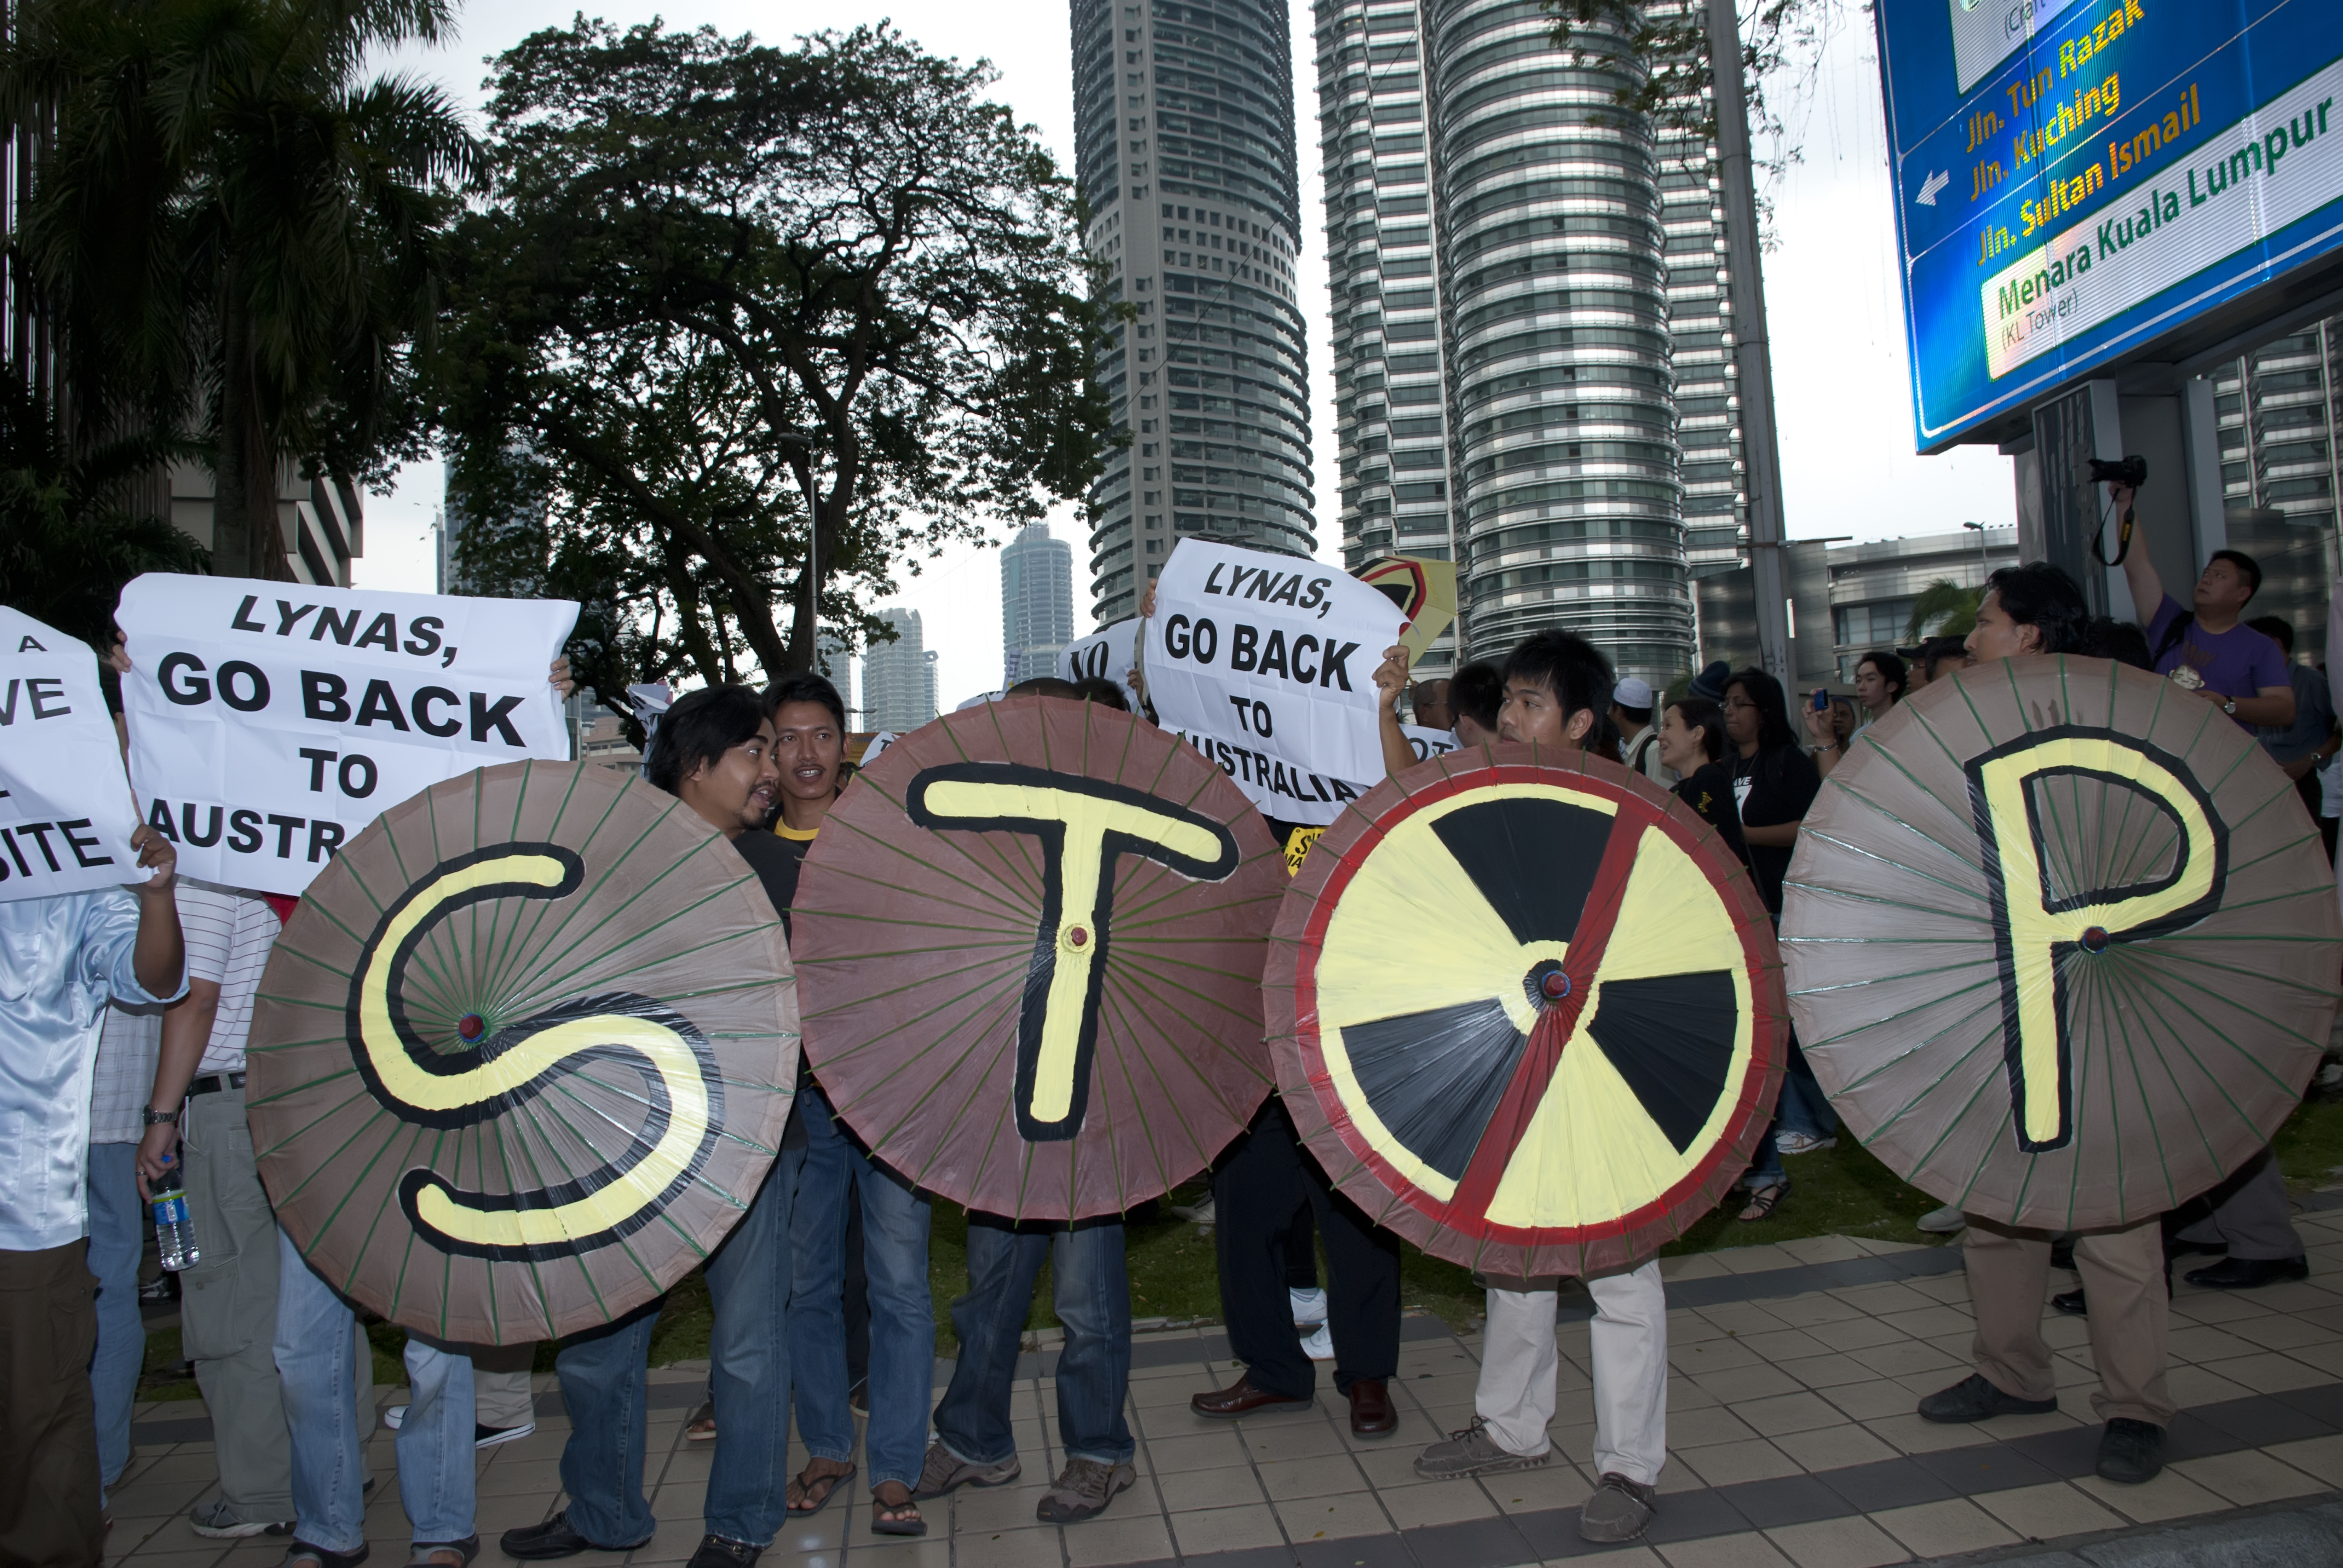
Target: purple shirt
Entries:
(2238, 662)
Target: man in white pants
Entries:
(1514, 1401)
(1553, 682)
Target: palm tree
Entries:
(234, 235)
(1946, 607)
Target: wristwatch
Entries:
(2229, 706)
(153, 1118)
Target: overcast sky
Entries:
(1840, 367)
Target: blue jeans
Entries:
(316, 1364)
(902, 1322)
(1804, 1107)
(604, 1387)
(117, 1231)
(1093, 1302)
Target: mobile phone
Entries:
(1822, 699)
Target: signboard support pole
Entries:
(1760, 449)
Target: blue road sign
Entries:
(2077, 178)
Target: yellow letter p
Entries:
(2042, 925)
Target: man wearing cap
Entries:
(1639, 738)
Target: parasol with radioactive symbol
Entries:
(1030, 942)
(1526, 1010)
(523, 1055)
(2061, 942)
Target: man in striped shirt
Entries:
(227, 1301)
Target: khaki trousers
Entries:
(1628, 1346)
(227, 1309)
(2123, 1278)
(48, 1420)
(501, 1391)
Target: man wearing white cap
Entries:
(1639, 738)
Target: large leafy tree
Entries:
(235, 233)
(731, 301)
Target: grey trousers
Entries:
(500, 1392)
(2250, 1214)
(227, 1309)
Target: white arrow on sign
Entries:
(1930, 186)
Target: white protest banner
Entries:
(1270, 653)
(269, 722)
(66, 810)
(1291, 794)
(1107, 653)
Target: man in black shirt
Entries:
(715, 752)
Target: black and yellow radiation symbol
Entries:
(1084, 824)
(1535, 1008)
(2044, 922)
(494, 1068)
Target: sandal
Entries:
(1763, 1201)
(896, 1518)
(426, 1553)
(701, 1427)
(803, 1504)
(302, 1552)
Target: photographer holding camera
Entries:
(2232, 666)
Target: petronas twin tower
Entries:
(1504, 246)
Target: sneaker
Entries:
(1318, 1344)
(1973, 1398)
(1801, 1143)
(1472, 1451)
(1203, 1213)
(1620, 1509)
(1309, 1306)
(216, 1520)
(2131, 1452)
(1944, 1221)
(482, 1436)
(1083, 1492)
(943, 1471)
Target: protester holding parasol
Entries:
(1573, 1069)
(1031, 940)
(2110, 950)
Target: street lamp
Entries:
(1984, 566)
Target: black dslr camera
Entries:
(2132, 473)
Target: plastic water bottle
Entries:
(175, 1232)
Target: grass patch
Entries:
(1174, 1273)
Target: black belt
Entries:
(212, 1082)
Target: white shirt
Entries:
(228, 935)
(123, 1083)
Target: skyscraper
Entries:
(1183, 119)
(1504, 388)
(1037, 604)
(899, 678)
(1701, 333)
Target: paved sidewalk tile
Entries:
(1793, 1439)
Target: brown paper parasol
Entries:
(523, 1055)
(1526, 1011)
(2061, 942)
(987, 1025)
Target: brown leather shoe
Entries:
(1241, 1399)
(1370, 1409)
